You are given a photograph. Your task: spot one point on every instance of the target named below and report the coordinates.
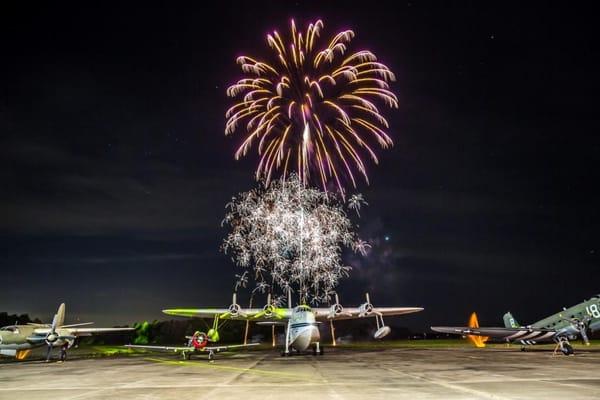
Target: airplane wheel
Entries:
(321, 351)
(314, 350)
(567, 349)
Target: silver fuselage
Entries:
(303, 328)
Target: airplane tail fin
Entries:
(478, 341)
(510, 321)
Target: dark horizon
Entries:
(116, 171)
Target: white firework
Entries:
(291, 237)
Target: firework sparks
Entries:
(292, 237)
(315, 109)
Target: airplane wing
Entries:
(160, 348)
(93, 331)
(177, 349)
(81, 331)
(247, 314)
(510, 334)
(322, 314)
(228, 347)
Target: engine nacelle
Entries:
(335, 310)
(365, 309)
(51, 338)
(382, 332)
(269, 310)
(234, 309)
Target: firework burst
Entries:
(315, 109)
(290, 236)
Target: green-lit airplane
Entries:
(568, 324)
(18, 340)
(199, 342)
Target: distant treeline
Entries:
(14, 319)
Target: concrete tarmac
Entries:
(448, 374)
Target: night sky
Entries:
(114, 167)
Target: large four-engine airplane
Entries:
(566, 325)
(300, 322)
(18, 340)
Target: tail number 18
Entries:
(593, 310)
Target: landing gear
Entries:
(185, 355)
(565, 347)
(63, 352)
(523, 348)
(211, 356)
(317, 349)
(286, 351)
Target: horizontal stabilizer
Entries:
(74, 325)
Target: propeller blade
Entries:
(48, 352)
(584, 337)
(54, 323)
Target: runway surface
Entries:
(460, 373)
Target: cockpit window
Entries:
(10, 329)
(303, 309)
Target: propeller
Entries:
(52, 336)
(337, 309)
(365, 308)
(581, 327)
(234, 309)
(269, 310)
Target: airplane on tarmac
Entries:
(560, 328)
(197, 343)
(300, 322)
(18, 340)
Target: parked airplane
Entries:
(18, 340)
(560, 328)
(301, 322)
(197, 343)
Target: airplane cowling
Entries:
(335, 310)
(365, 309)
(234, 309)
